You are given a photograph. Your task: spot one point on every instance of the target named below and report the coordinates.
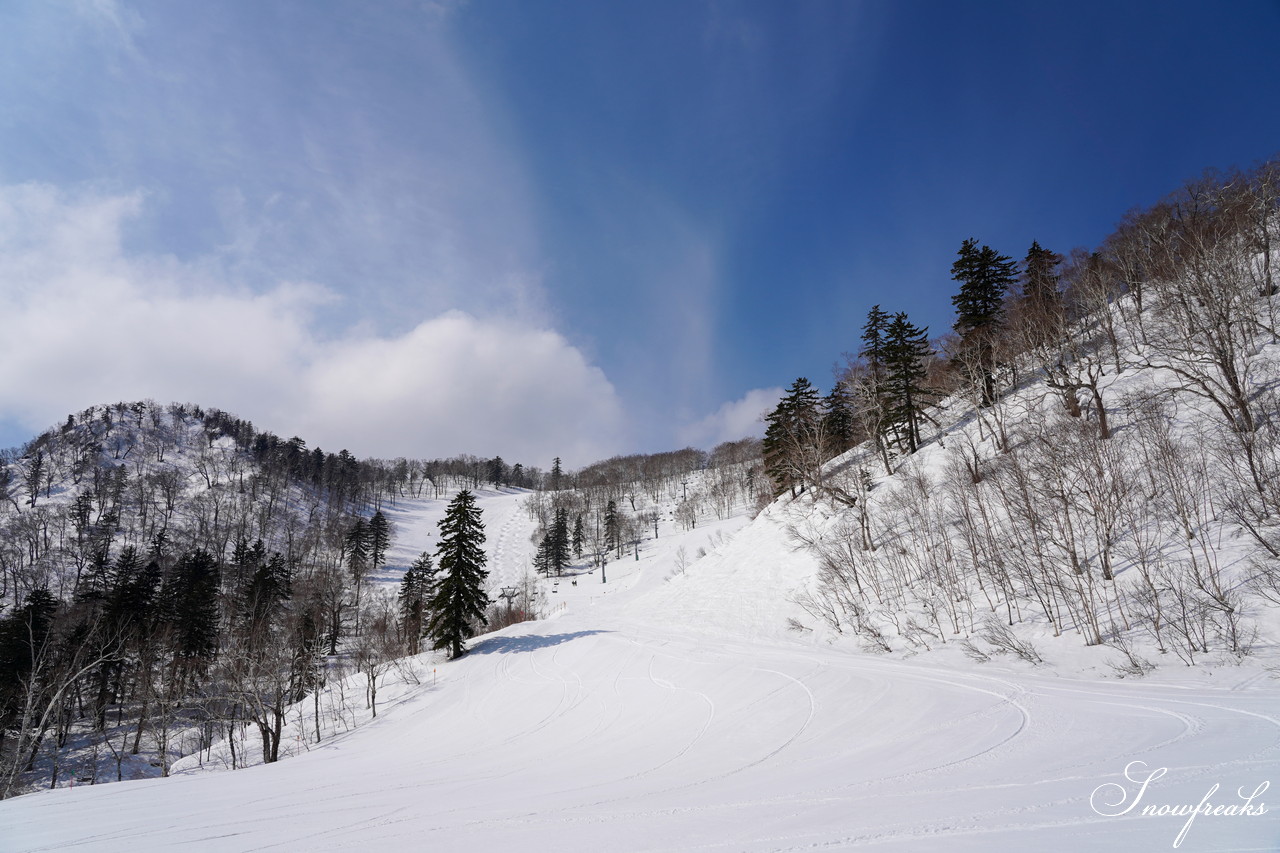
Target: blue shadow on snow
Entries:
(526, 643)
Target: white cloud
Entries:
(733, 420)
(87, 323)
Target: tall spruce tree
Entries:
(838, 429)
(873, 342)
(558, 556)
(985, 277)
(1040, 277)
(416, 589)
(542, 557)
(458, 606)
(190, 594)
(578, 536)
(792, 437)
(357, 547)
(379, 539)
(263, 596)
(874, 408)
(612, 528)
(905, 350)
(497, 471)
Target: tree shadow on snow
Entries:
(526, 643)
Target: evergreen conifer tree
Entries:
(556, 475)
(35, 471)
(23, 636)
(985, 276)
(612, 528)
(906, 347)
(578, 536)
(838, 427)
(264, 595)
(379, 533)
(874, 403)
(191, 595)
(542, 557)
(416, 589)
(460, 599)
(497, 471)
(792, 437)
(1040, 277)
(873, 341)
(357, 544)
(558, 555)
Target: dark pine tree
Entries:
(416, 588)
(906, 348)
(542, 557)
(558, 555)
(357, 545)
(792, 437)
(497, 472)
(578, 536)
(35, 471)
(873, 342)
(557, 475)
(838, 428)
(379, 539)
(1040, 277)
(876, 402)
(191, 594)
(985, 277)
(460, 599)
(23, 637)
(612, 528)
(264, 597)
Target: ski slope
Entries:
(670, 710)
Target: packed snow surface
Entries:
(671, 709)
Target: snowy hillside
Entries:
(670, 709)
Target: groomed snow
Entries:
(670, 710)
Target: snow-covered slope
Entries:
(671, 709)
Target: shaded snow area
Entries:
(676, 707)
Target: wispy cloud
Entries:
(735, 419)
(117, 22)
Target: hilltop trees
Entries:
(985, 276)
(459, 603)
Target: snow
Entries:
(672, 709)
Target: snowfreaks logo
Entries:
(1112, 800)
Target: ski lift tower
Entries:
(507, 594)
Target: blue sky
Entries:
(577, 228)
